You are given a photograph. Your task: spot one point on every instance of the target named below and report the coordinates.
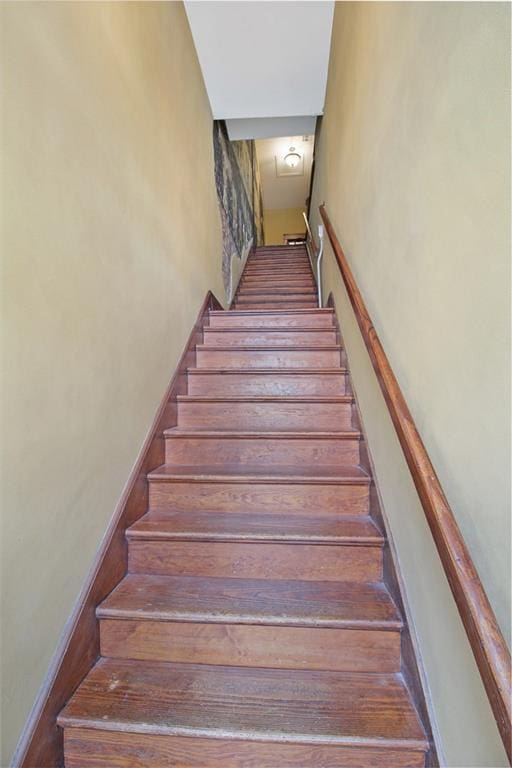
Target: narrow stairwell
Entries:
(254, 627)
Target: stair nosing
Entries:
(305, 310)
(157, 476)
(322, 399)
(268, 618)
(246, 434)
(415, 742)
(66, 721)
(268, 329)
(273, 348)
(270, 371)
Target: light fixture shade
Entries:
(292, 159)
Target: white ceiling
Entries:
(270, 127)
(266, 58)
(284, 191)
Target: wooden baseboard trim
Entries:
(41, 744)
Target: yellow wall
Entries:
(110, 240)
(413, 162)
(278, 222)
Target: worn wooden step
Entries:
(353, 554)
(327, 604)
(84, 749)
(244, 527)
(270, 266)
(263, 357)
(282, 276)
(277, 305)
(263, 448)
(279, 708)
(281, 337)
(273, 286)
(276, 286)
(265, 413)
(270, 286)
(276, 280)
(244, 622)
(270, 261)
(299, 318)
(265, 297)
(288, 490)
(267, 381)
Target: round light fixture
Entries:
(292, 159)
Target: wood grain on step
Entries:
(322, 318)
(258, 497)
(259, 382)
(246, 645)
(85, 748)
(276, 357)
(232, 526)
(265, 413)
(280, 705)
(263, 448)
(341, 605)
(240, 337)
(320, 562)
(277, 305)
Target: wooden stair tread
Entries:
(272, 349)
(265, 399)
(268, 329)
(218, 526)
(177, 432)
(267, 371)
(319, 474)
(245, 312)
(246, 703)
(252, 601)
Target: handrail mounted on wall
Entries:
(485, 637)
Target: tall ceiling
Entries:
(263, 59)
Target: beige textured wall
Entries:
(110, 240)
(413, 163)
(278, 222)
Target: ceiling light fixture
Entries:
(292, 159)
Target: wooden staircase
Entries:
(253, 627)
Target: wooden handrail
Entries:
(487, 642)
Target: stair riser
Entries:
(268, 358)
(292, 269)
(262, 498)
(260, 416)
(90, 748)
(280, 290)
(250, 280)
(244, 385)
(317, 319)
(270, 261)
(260, 560)
(275, 296)
(232, 644)
(261, 452)
(273, 286)
(283, 338)
(282, 277)
(276, 305)
(273, 267)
